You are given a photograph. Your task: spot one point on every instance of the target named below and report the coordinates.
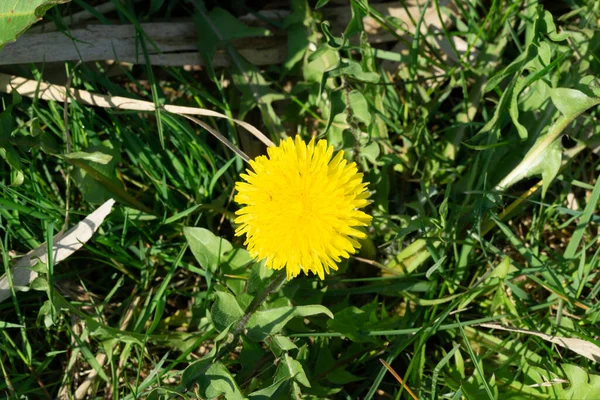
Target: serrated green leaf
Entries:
(272, 321)
(225, 311)
(582, 384)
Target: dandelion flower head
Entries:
(300, 207)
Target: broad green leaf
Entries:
(40, 284)
(549, 164)
(359, 106)
(7, 125)
(237, 262)
(340, 376)
(280, 343)
(353, 69)
(571, 102)
(18, 15)
(547, 26)
(544, 156)
(255, 89)
(272, 321)
(582, 384)
(278, 390)
(353, 323)
(259, 278)
(543, 26)
(213, 382)
(297, 44)
(592, 83)
(336, 106)
(11, 155)
(290, 368)
(332, 41)
(513, 107)
(225, 311)
(546, 163)
(320, 61)
(220, 26)
(371, 152)
(359, 11)
(239, 258)
(326, 365)
(208, 249)
(98, 182)
(513, 67)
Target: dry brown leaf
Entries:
(47, 91)
(64, 245)
(582, 347)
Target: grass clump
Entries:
(477, 277)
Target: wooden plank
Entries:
(175, 43)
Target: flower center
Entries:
(298, 203)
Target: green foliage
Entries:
(17, 16)
(478, 138)
(225, 311)
(213, 382)
(269, 322)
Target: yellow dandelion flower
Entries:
(301, 207)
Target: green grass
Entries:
(483, 176)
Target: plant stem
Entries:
(250, 310)
(258, 300)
